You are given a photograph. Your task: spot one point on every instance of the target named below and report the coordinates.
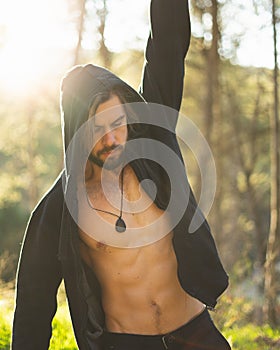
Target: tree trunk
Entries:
(212, 109)
(213, 123)
(213, 117)
(82, 8)
(105, 53)
(273, 245)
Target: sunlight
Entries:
(135, 29)
(32, 35)
(21, 68)
(37, 38)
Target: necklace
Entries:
(120, 225)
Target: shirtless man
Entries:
(153, 295)
(142, 279)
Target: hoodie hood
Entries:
(78, 90)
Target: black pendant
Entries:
(120, 225)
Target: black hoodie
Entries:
(50, 251)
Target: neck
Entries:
(120, 225)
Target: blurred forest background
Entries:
(235, 106)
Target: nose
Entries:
(109, 139)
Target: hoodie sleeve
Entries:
(39, 275)
(168, 42)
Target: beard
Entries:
(111, 162)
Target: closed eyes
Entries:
(118, 122)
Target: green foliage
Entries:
(6, 307)
(30, 158)
(5, 333)
(253, 337)
(233, 317)
(62, 337)
(232, 311)
(27, 155)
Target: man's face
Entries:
(110, 132)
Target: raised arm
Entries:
(168, 42)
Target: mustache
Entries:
(109, 149)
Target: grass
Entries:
(5, 333)
(6, 307)
(241, 336)
(62, 337)
(252, 337)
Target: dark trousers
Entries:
(198, 334)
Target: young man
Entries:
(124, 291)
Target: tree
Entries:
(209, 14)
(80, 29)
(90, 18)
(31, 158)
(273, 245)
(105, 53)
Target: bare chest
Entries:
(145, 222)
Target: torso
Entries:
(141, 293)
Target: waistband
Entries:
(182, 332)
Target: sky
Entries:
(35, 34)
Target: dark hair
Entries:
(125, 97)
